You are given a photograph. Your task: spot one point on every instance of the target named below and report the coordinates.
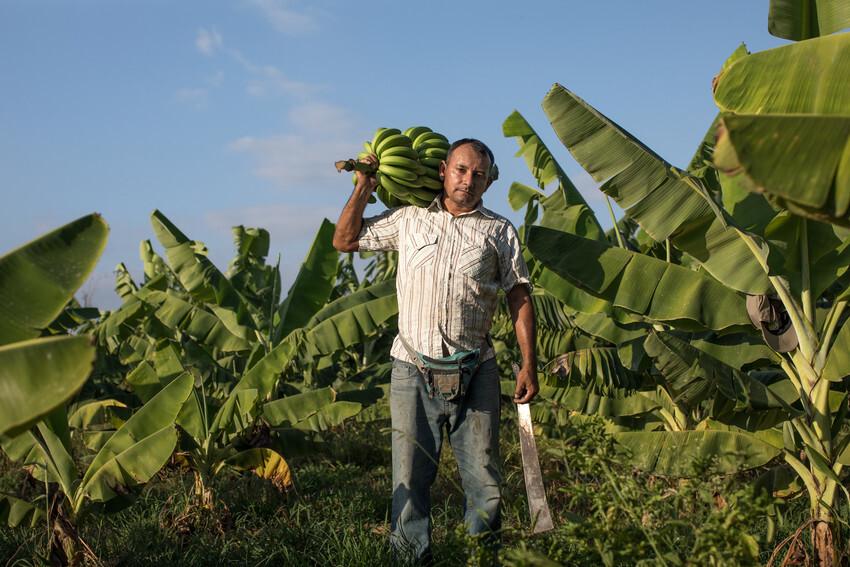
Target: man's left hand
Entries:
(526, 386)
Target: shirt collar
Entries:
(437, 205)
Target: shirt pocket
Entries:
(478, 260)
(421, 248)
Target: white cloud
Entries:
(303, 157)
(283, 18)
(208, 41)
(268, 80)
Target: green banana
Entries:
(417, 202)
(397, 172)
(433, 153)
(381, 135)
(391, 142)
(428, 144)
(432, 162)
(421, 138)
(407, 183)
(432, 173)
(390, 185)
(400, 151)
(430, 183)
(414, 131)
(367, 147)
(422, 194)
(400, 161)
(388, 198)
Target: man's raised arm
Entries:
(351, 218)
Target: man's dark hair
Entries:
(482, 150)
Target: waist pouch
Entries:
(449, 377)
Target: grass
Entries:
(605, 513)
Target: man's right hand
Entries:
(367, 181)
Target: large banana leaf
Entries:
(737, 350)
(652, 192)
(641, 284)
(674, 453)
(139, 448)
(294, 408)
(207, 328)
(15, 512)
(804, 19)
(583, 400)
(38, 279)
(786, 125)
(313, 284)
(607, 327)
(827, 251)
(314, 410)
(598, 369)
(693, 376)
(351, 319)
(201, 278)
(263, 376)
(39, 375)
(565, 208)
(567, 292)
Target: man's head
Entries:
(467, 172)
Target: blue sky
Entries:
(232, 112)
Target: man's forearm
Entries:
(351, 220)
(522, 313)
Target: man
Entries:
(454, 256)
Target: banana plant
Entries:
(37, 281)
(769, 240)
(809, 132)
(131, 456)
(604, 369)
(239, 341)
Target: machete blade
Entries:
(538, 507)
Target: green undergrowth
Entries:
(605, 512)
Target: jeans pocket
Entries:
(403, 371)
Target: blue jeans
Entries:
(419, 423)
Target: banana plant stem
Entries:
(806, 476)
(805, 332)
(614, 220)
(832, 320)
(806, 295)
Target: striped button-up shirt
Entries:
(449, 274)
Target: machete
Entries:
(541, 519)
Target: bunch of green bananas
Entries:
(408, 164)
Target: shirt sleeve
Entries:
(512, 267)
(381, 232)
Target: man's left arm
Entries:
(522, 314)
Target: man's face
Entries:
(465, 178)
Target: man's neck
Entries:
(454, 209)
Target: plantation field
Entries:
(338, 512)
(692, 358)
